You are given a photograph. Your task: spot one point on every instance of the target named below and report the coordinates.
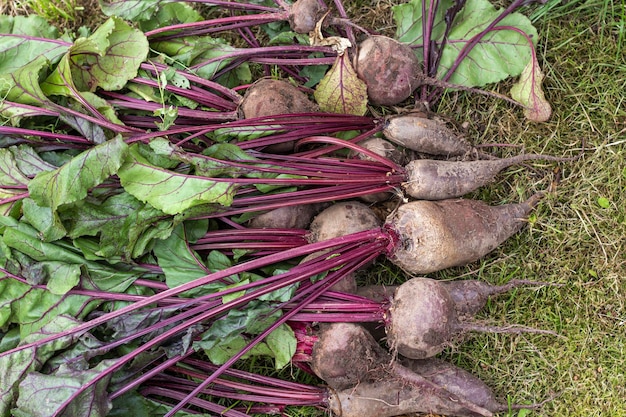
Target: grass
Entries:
(577, 236)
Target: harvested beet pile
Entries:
(180, 193)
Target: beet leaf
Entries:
(341, 90)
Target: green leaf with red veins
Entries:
(24, 38)
(22, 85)
(44, 219)
(528, 91)
(341, 90)
(502, 52)
(408, 18)
(44, 395)
(14, 367)
(107, 59)
(72, 181)
(13, 181)
(498, 55)
(134, 10)
(169, 191)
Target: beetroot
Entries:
(342, 219)
(459, 382)
(415, 132)
(434, 235)
(304, 14)
(395, 397)
(366, 381)
(289, 217)
(346, 355)
(423, 321)
(389, 68)
(469, 296)
(438, 180)
(268, 97)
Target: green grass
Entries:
(572, 239)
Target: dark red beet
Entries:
(289, 217)
(435, 235)
(346, 355)
(438, 180)
(422, 320)
(304, 14)
(342, 219)
(268, 97)
(461, 383)
(395, 397)
(389, 68)
(415, 132)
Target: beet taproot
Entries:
(434, 235)
(346, 355)
(461, 383)
(396, 397)
(422, 320)
(305, 14)
(420, 134)
(438, 180)
(469, 296)
(347, 358)
(389, 68)
(268, 97)
(288, 217)
(341, 219)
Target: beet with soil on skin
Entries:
(461, 383)
(422, 320)
(434, 235)
(415, 132)
(346, 355)
(288, 217)
(438, 180)
(350, 361)
(304, 15)
(268, 97)
(390, 69)
(342, 219)
(469, 296)
(396, 397)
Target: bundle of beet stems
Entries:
(274, 162)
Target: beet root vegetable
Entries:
(348, 358)
(460, 382)
(268, 97)
(288, 217)
(342, 219)
(389, 68)
(304, 14)
(434, 235)
(438, 180)
(423, 320)
(423, 135)
(396, 397)
(469, 296)
(346, 355)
